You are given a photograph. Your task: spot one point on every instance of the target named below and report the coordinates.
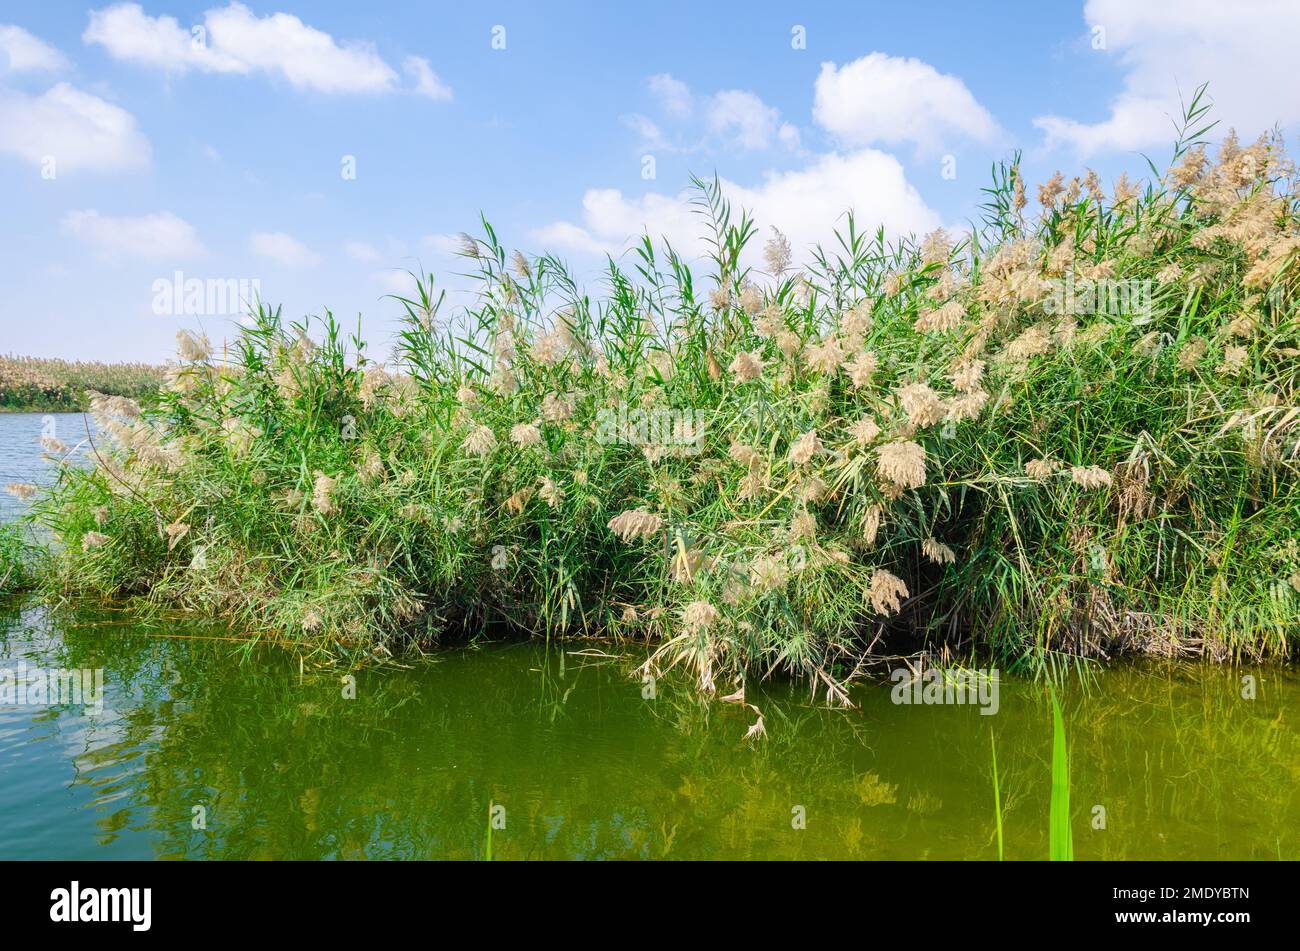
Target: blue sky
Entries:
(132, 148)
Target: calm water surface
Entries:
(285, 766)
(20, 451)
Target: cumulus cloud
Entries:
(20, 52)
(566, 236)
(235, 40)
(1134, 123)
(673, 95)
(648, 132)
(891, 100)
(159, 236)
(805, 204)
(283, 249)
(78, 130)
(734, 119)
(426, 80)
(1245, 50)
(877, 98)
(748, 123)
(128, 34)
(611, 222)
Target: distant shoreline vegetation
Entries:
(38, 385)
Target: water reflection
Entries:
(285, 766)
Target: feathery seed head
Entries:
(938, 552)
(635, 524)
(480, 441)
(1090, 477)
(886, 592)
(902, 463)
(804, 448)
(747, 365)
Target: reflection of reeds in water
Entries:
(289, 768)
(1176, 748)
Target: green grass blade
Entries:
(1060, 837)
(997, 795)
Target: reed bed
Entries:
(28, 384)
(905, 445)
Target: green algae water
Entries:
(201, 747)
(281, 763)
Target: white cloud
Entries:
(21, 52)
(1245, 50)
(611, 222)
(566, 236)
(283, 249)
(806, 204)
(1134, 122)
(674, 96)
(161, 235)
(362, 252)
(426, 80)
(733, 118)
(895, 100)
(78, 130)
(743, 119)
(235, 40)
(130, 35)
(649, 133)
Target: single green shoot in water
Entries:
(997, 795)
(1060, 838)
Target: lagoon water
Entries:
(20, 451)
(279, 762)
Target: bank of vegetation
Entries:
(1072, 433)
(19, 560)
